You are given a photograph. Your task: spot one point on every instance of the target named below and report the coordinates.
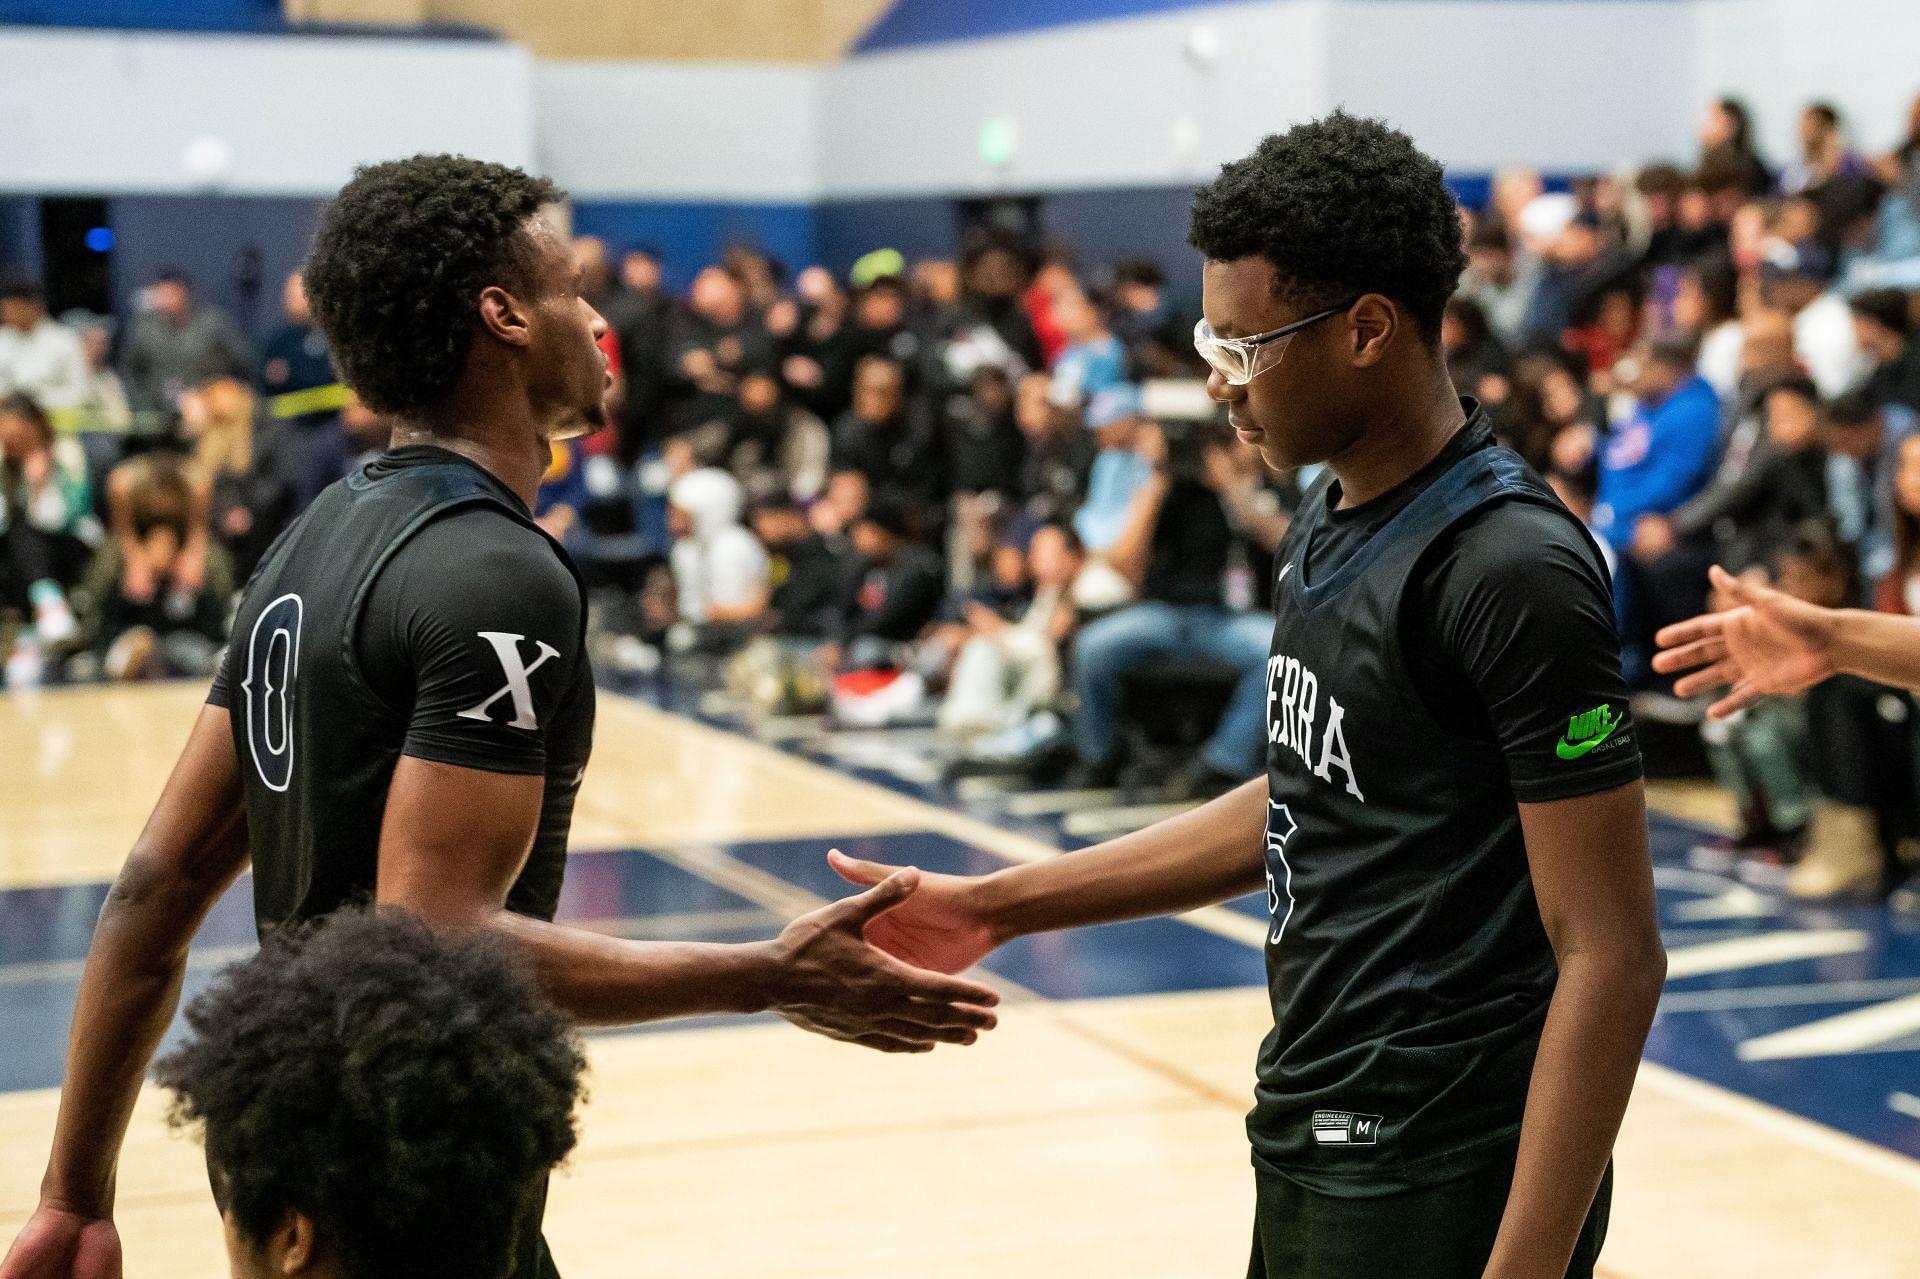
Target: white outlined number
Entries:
(267, 690)
(1280, 828)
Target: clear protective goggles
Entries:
(1240, 360)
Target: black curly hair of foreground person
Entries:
(398, 264)
(1340, 206)
(405, 1091)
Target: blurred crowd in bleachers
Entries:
(988, 495)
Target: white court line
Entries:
(1762, 949)
(1819, 992)
(1781, 1123)
(1121, 821)
(1906, 1103)
(1045, 803)
(1862, 1030)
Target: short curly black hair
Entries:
(398, 263)
(405, 1091)
(1340, 206)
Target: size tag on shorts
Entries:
(1344, 1128)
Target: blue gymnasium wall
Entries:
(691, 235)
(152, 15)
(920, 22)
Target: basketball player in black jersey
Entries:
(406, 707)
(1462, 956)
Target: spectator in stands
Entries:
(1092, 358)
(1862, 441)
(900, 586)
(988, 324)
(890, 439)
(1824, 153)
(1008, 670)
(773, 445)
(177, 344)
(1662, 188)
(303, 391)
(719, 570)
(1654, 462)
(1476, 358)
(103, 416)
(1120, 469)
(1547, 418)
(1499, 280)
(1578, 262)
(1053, 280)
(44, 515)
(718, 340)
(818, 357)
(641, 315)
(563, 494)
(811, 573)
(597, 283)
(842, 505)
(447, 1083)
(985, 448)
(1158, 340)
(1059, 453)
(1793, 280)
(239, 468)
(1883, 330)
(1726, 143)
(39, 357)
(1706, 304)
(1175, 549)
(1898, 591)
(1755, 500)
(158, 590)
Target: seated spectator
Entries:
(1092, 358)
(1158, 339)
(771, 444)
(988, 324)
(378, 1100)
(175, 345)
(1726, 141)
(43, 511)
(719, 570)
(898, 590)
(304, 393)
(241, 468)
(641, 315)
(1793, 280)
(1476, 358)
(1898, 590)
(889, 439)
(718, 340)
(1655, 460)
(40, 358)
(1756, 498)
(1175, 548)
(1059, 453)
(157, 590)
(1883, 330)
(102, 418)
(1008, 670)
(1119, 469)
(1824, 153)
(1579, 262)
(1706, 305)
(1498, 280)
(1547, 418)
(811, 573)
(563, 494)
(1862, 442)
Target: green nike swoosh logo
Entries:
(1571, 750)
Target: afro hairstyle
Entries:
(405, 1091)
(398, 265)
(1340, 206)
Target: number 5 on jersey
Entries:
(1280, 828)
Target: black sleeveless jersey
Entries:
(414, 608)
(1407, 965)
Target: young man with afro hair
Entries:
(377, 1101)
(406, 708)
(1462, 951)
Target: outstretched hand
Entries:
(58, 1243)
(1768, 643)
(940, 927)
(835, 982)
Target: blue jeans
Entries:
(1125, 641)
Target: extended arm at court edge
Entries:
(454, 839)
(1593, 880)
(193, 847)
(1211, 854)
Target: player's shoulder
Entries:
(1520, 541)
(480, 551)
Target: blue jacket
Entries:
(1657, 459)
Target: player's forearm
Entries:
(1208, 855)
(1878, 646)
(1582, 1077)
(610, 981)
(127, 998)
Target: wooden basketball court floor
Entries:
(1097, 1132)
